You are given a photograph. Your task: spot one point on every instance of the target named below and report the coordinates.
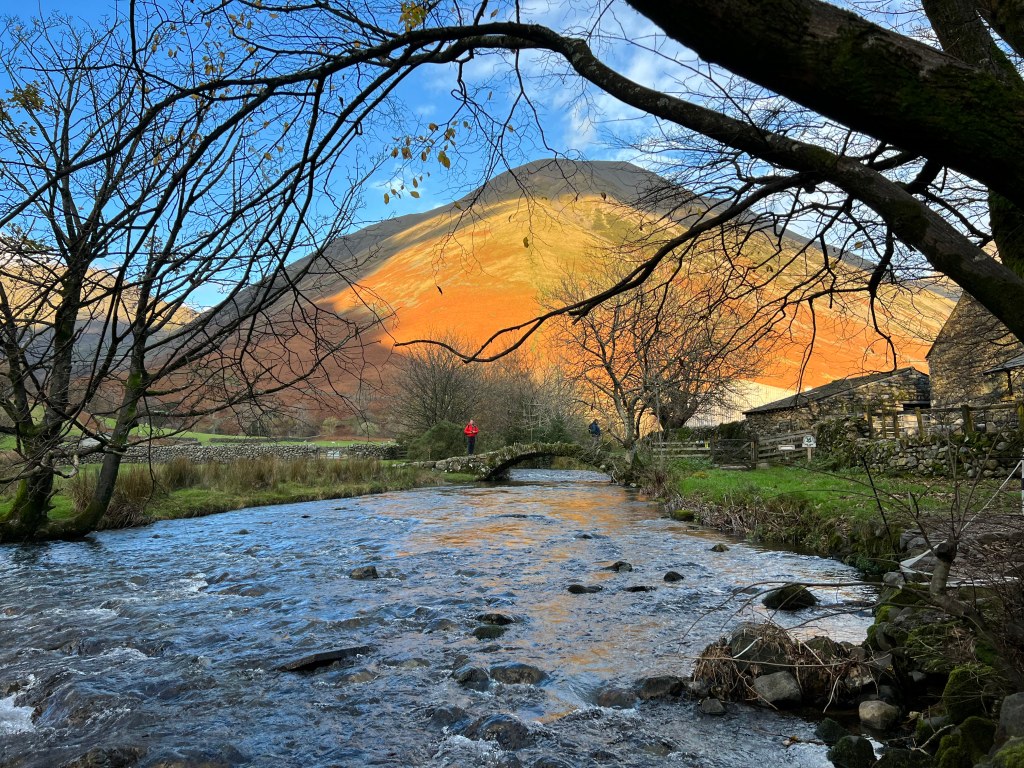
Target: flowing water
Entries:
(164, 642)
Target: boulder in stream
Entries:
(582, 589)
(852, 752)
(672, 576)
(614, 697)
(720, 548)
(778, 689)
(118, 757)
(878, 714)
(508, 731)
(517, 673)
(495, 618)
(489, 631)
(790, 597)
(660, 687)
(326, 658)
(364, 573)
(469, 676)
(619, 566)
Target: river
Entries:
(161, 645)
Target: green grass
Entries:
(829, 513)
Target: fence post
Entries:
(968, 421)
(920, 422)
(754, 451)
(871, 426)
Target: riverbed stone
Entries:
(852, 752)
(778, 688)
(447, 715)
(614, 697)
(830, 731)
(495, 618)
(469, 676)
(117, 757)
(364, 573)
(489, 631)
(315, 661)
(719, 548)
(639, 588)
(672, 576)
(878, 715)
(582, 589)
(508, 731)
(712, 706)
(517, 673)
(790, 597)
(660, 687)
(1011, 718)
(620, 566)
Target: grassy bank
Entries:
(847, 514)
(181, 488)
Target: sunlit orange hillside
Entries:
(481, 264)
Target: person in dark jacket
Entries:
(471, 431)
(595, 432)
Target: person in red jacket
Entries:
(471, 431)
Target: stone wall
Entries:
(975, 455)
(242, 450)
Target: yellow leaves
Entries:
(413, 15)
(442, 158)
(387, 198)
(432, 127)
(526, 242)
(414, 193)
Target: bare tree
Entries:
(433, 386)
(665, 352)
(120, 217)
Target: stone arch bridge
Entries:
(494, 465)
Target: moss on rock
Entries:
(967, 744)
(1011, 755)
(970, 691)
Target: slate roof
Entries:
(1010, 365)
(825, 391)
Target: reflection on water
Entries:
(166, 640)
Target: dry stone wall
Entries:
(241, 451)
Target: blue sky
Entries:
(572, 126)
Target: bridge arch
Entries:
(495, 465)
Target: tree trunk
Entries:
(29, 511)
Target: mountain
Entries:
(480, 263)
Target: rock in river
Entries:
(364, 573)
(318, 660)
(581, 589)
(517, 673)
(506, 730)
(789, 597)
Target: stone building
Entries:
(975, 360)
(900, 390)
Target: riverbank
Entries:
(941, 662)
(182, 489)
